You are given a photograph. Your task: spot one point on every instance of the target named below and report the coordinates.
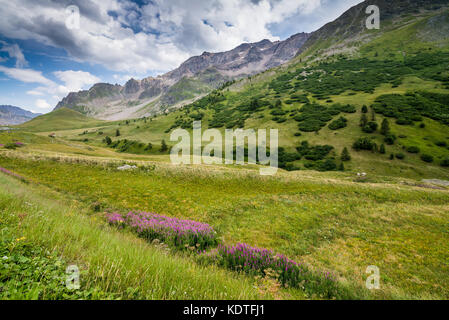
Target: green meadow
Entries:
(386, 103)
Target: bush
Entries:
(382, 149)
(364, 144)
(400, 156)
(338, 124)
(364, 109)
(164, 146)
(385, 127)
(427, 158)
(390, 139)
(413, 149)
(326, 165)
(345, 156)
(445, 162)
(108, 140)
(313, 153)
(370, 127)
(441, 143)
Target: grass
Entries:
(334, 222)
(324, 219)
(60, 119)
(114, 262)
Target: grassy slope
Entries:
(114, 262)
(325, 219)
(402, 37)
(60, 119)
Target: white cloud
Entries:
(76, 80)
(42, 104)
(157, 36)
(35, 93)
(26, 75)
(14, 52)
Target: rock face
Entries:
(196, 76)
(10, 115)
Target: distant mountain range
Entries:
(10, 115)
(195, 77)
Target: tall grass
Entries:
(114, 261)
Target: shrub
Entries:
(400, 156)
(313, 153)
(390, 139)
(364, 109)
(326, 165)
(413, 149)
(382, 149)
(445, 162)
(370, 127)
(149, 147)
(427, 158)
(108, 140)
(364, 144)
(164, 146)
(345, 156)
(11, 146)
(441, 143)
(385, 127)
(338, 124)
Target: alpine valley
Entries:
(361, 192)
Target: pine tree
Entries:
(363, 120)
(341, 167)
(164, 147)
(149, 147)
(345, 156)
(117, 133)
(382, 149)
(385, 128)
(108, 140)
(364, 109)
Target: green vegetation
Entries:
(61, 119)
(387, 98)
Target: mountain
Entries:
(195, 77)
(10, 115)
(383, 95)
(349, 31)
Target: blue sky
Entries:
(45, 54)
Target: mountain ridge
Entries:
(12, 115)
(200, 74)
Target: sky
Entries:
(49, 48)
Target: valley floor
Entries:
(331, 221)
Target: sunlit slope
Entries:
(60, 119)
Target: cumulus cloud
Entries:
(76, 80)
(157, 36)
(70, 81)
(42, 104)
